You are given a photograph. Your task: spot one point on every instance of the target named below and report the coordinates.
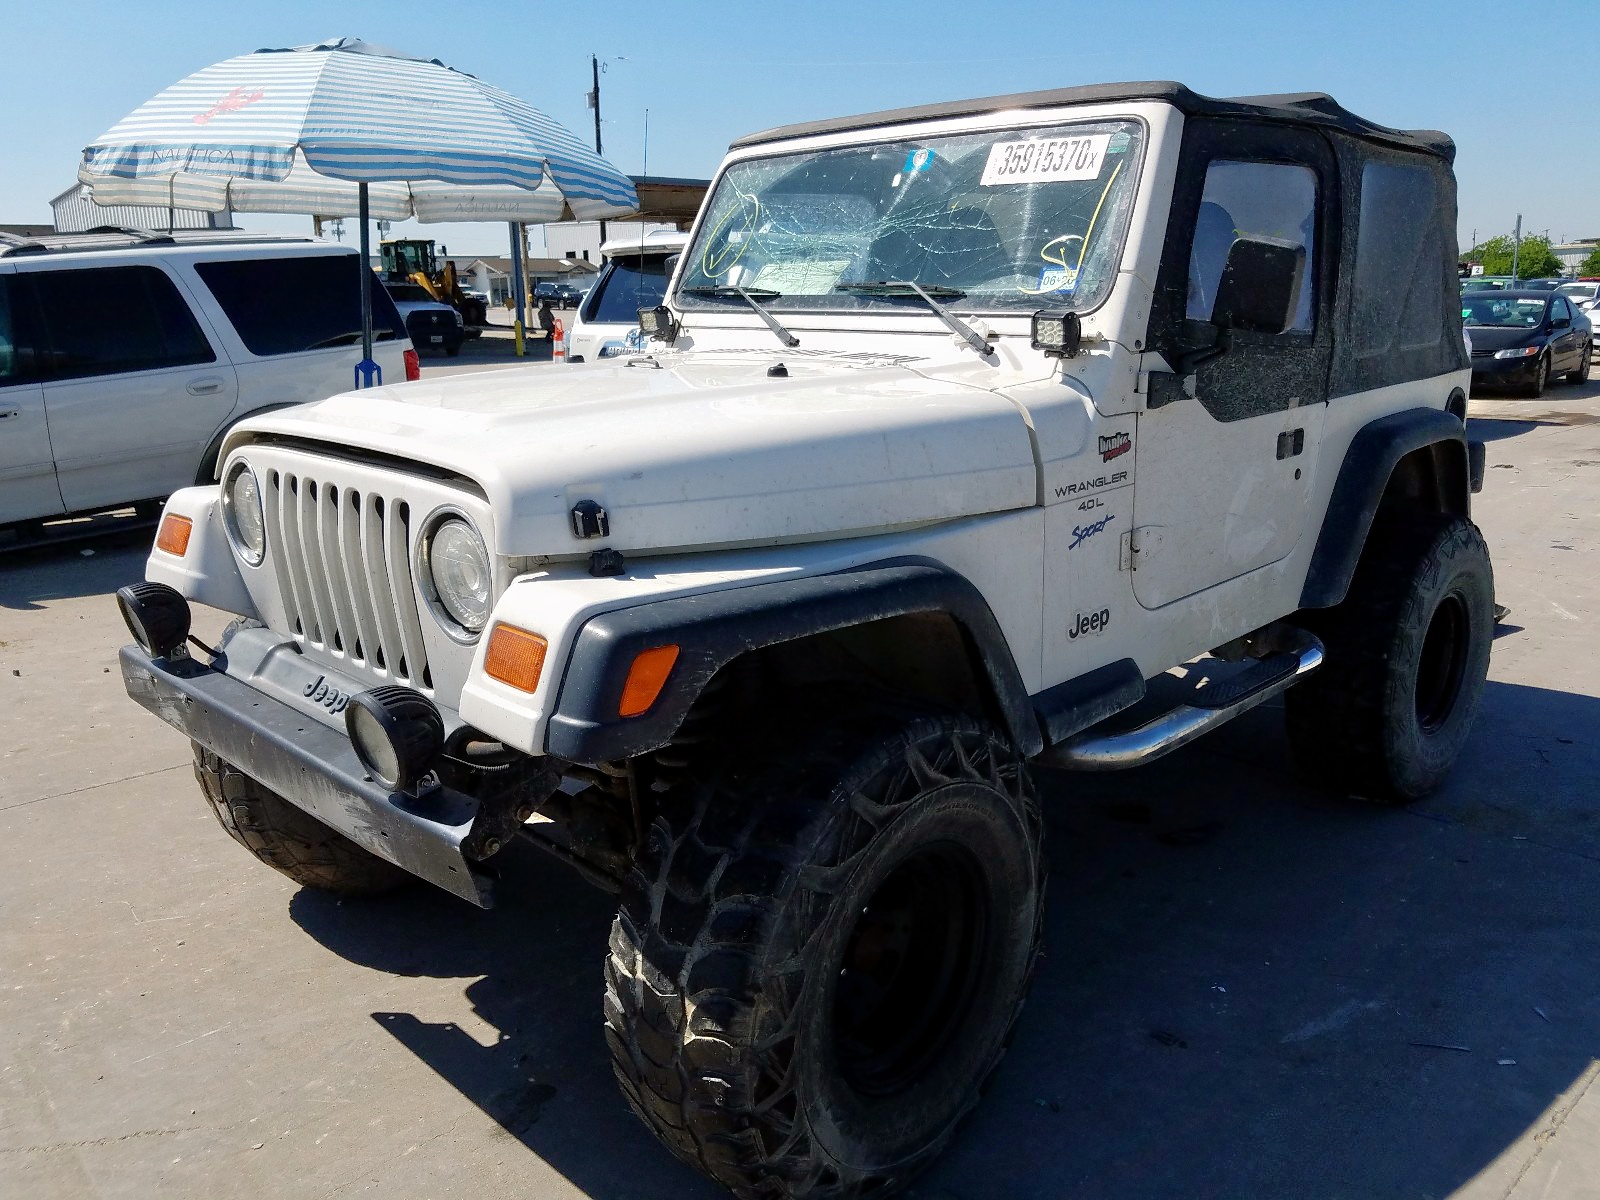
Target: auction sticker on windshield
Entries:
(1045, 160)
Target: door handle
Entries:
(204, 387)
(1291, 442)
(10, 412)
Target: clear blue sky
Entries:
(709, 71)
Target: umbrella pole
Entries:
(367, 371)
(519, 296)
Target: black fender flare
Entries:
(206, 472)
(1363, 477)
(712, 629)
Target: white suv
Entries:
(635, 277)
(125, 356)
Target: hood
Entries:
(1488, 338)
(706, 450)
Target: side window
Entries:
(289, 305)
(1399, 290)
(1559, 310)
(111, 320)
(1269, 199)
(16, 359)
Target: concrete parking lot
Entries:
(1251, 989)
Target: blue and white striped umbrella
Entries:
(357, 113)
(301, 129)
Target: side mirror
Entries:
(1561, 323)
(1260, 286)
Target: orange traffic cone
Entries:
(558, 342)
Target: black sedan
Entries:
(1521, 338)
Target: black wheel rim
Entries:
(910, 969)
(1443, 664)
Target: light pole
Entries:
(595, 67)
(1516, 251)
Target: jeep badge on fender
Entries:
(766, 641)
(1094, 622)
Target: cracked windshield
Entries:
(994, 220)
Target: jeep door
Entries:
(27, 468)
(1225, 474)
(134, 386)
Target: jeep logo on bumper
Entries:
(320, 691)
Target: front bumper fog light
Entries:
(397, 735)
(157, 616)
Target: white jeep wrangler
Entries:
(1052, 428)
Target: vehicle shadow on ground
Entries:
(1249, 988)
(1497, 429)
(30, 577)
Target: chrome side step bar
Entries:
(1292, 655)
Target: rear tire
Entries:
(287, 838)
(1407, 653)
(818, 961)
(1581, 375)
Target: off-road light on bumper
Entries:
(397, 735)
(156, 615)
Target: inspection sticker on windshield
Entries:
(1046, 160)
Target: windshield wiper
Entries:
(752, 297)
(904, 287)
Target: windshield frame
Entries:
(881, 306)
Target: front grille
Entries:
(425, 323)
(343, 566)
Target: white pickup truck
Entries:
(965, 437)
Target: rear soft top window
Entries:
(628, 284)
(289, 305)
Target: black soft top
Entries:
(1316, 109)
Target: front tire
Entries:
(286, 838)
(1407, 653)
(817, 963)
(1541, 379)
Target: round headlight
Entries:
(241, 502)
(458, 568)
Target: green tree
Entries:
(1590, 265)
(1535, 261)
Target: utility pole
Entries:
(594, 103)
(1516, 251)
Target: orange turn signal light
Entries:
(646, 677)
(515, 657)
(173, 536)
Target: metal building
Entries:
(75, 211)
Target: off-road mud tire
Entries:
(287, 838)
(1386, 715)
(724, 988)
